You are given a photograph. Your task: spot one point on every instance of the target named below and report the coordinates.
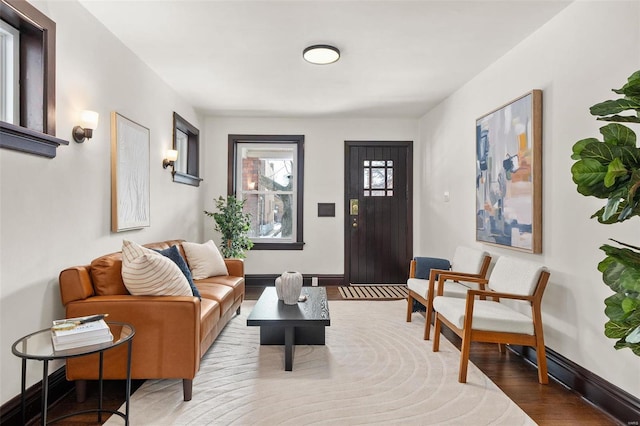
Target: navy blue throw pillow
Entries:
(174, 254)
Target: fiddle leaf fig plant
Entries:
(234, 225)
(610, 170)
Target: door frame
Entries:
(408, 145)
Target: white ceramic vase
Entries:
(289, 286)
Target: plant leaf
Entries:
(580, 145)
(615, 169)
(611, 209)
(605, 154)
(613, 106)
(618, 134)
(589, 175)
(632, 88)
(615, 330)
(620, 119)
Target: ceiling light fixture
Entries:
(321, 54)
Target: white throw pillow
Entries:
(148, 273)
(204, 260)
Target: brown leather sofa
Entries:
(172, 332)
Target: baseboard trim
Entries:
(269, 279)
(11, 412)
(611, 399)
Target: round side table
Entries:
(38, 346)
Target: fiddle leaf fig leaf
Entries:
(615, 330)
(621, 118)
(618, 134)
(611, 209)
(632, 88)
(629, 305)
(613, 106)
(615, 169)
(605, 154)
(589, 175)
(613, 309)
(580, 145)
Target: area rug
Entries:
(374, 369)
(374, 292)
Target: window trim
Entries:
(233, 141)
(10, 46)
(192, 176)
(35, 134)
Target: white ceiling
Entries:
(244, 58)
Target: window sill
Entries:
(25, 140)
(278, 246)
(186, 179)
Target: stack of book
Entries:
(72, 333)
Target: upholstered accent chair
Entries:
(506, 312)
(423, 273)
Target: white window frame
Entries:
(9, 73)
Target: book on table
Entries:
(75, 332)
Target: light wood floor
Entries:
(551, 404)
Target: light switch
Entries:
(446, 196)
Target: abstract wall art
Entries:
(509, 175)
(130, 193)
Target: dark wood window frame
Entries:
(192, 176)
(36, 132)
(233, 140)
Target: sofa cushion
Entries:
(147, 272)
(204, 260)
(174, 254)
(223, 294)
(236, 283)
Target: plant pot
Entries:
(289, 286)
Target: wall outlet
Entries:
(314, 281)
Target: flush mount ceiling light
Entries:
(321, 54)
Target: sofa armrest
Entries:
(235, 267)
(75, 284)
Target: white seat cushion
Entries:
(487, 315)
(451, 289)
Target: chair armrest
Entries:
(498, 295)
(455, 276)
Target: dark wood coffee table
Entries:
(288, 325)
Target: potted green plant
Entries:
(610, 170)
(234, 225)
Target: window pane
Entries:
(378, 193)
(378, 178)
(378, 163)
(366, 163)
(271, 215)
(389, 178)
(366, 178)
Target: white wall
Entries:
(323, 182)
(576, 58)
(55, 213)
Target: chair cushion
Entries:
(467, 260)
(487, 315)
(451, 288)
(517, 276)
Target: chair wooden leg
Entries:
(502, 348)
(436, 334)
(428, 315)
(465, 348)
(409, 306)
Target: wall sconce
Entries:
(170, 160)
(88, 123)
